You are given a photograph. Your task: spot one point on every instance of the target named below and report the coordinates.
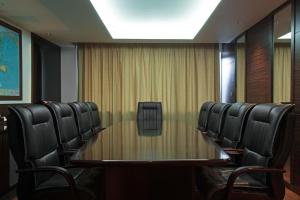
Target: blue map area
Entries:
(9, 62)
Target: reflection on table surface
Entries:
(177, 141)
(149, 127)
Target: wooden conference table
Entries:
(150, 163)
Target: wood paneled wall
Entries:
(46, 70)
(259, 62)
(295, 155)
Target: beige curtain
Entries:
(118, 76)
(241, 72)
(282, 73)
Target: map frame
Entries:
(19, 32)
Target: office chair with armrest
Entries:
(96, 120)
(216, 120)
(83, 120)
(33, 143)
(204, 114)
(259, 175)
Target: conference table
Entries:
(154, 161)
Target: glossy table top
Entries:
(169, 141)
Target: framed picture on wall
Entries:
(10, 62)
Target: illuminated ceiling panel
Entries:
(154, 19)
(286, 36)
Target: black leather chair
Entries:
(33, 143)
(96, 120)
(234, 124)
(65, 125)
(83, 120)
(203, 115)
(216, 120)
(259, 175)
(149, 111)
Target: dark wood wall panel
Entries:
(296, 73)
(259, 62)
(296, 8)
(295, 154)
(46, 70)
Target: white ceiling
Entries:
(282, 23)
(68, 21)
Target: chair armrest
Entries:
(83, 142)
(66, 154)
(100, 130)
(57, 170)
(218, 141)
(82, 165)
(69, 151)
(240, 151)
(248, 169)
(234, 153)
(77, 163)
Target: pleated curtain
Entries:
(282, 73)
(117, 76)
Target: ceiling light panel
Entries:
(154, 19)
(286, 36)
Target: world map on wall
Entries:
(9, 62)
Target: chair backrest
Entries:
(203, 115)
(234, 124)
(96, 120)
(83, 119)
(65, 125)
(149, 111)
(267, 137)
(32, 138)
(216, 119)
(149, 124)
